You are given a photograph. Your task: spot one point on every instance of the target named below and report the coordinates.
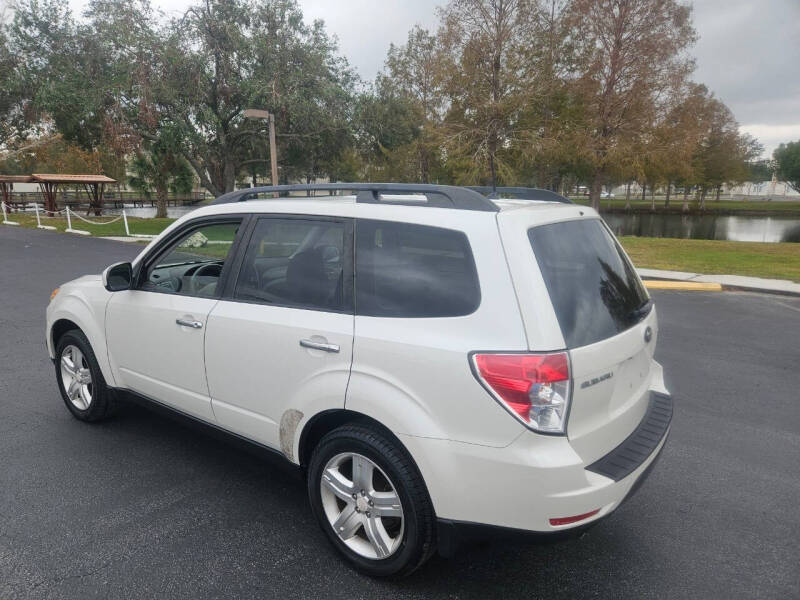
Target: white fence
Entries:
(69, 214)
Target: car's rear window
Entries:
(593, 286)
(406, 270)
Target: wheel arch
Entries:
(326, 421)
(76, 312)
(59, 328)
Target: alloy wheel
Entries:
(362, 505)
(76, 377)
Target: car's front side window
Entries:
(193, 265)
(295, 262)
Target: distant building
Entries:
(773, 190)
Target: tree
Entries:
(52, 154)
(34, 45)
(761, 170)
(387, 127)
(553, 93)
(678, 136)
(413, 75)
(723, 154)
(226, 56)
(10, 94)
(159, 168)
(630, 56)
(488, 79)
(62, 70)
(78, 77)
(551, 148)
(120, 75)
(788, 158)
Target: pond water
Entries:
(706, 227)
(696, 227)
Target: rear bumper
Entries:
(484, 492)
(639, 445)
(452, 534)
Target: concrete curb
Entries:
(727, 282)
(696, 286)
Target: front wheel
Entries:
(80, 380)
(371, 501)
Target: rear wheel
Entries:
(80, 380)
(371, 501)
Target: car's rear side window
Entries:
(593, 286)
(406, 270)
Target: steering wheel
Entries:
(200, 270)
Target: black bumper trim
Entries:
(639, 445)
(452, 534)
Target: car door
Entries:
(282, 337)
(156, 330)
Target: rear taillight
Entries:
(534, 387)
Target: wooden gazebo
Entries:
(93, 184)
(7, 186)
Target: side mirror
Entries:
(118, 277)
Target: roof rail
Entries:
(441, 196)
(521, 193)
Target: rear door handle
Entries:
(189, 323)
(319, 346)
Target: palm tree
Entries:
(160, 168)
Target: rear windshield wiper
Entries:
(642, 310)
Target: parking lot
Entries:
(143, 507)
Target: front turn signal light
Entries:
(54, 293)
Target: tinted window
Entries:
(193, 265)
(595, 291)
(405, 270)
(294, 262)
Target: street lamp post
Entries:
(254, 113)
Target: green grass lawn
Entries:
(756, 259)
(137, 225)
(676, 202)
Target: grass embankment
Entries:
(754, 259)
(778, 207)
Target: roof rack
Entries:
(521, 193)
(441, 196)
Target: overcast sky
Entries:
(748, 53)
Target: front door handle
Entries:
(319, 346)
(189, 323)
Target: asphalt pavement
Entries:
(144, 507)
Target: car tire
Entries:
(80, 380)
(405, 541)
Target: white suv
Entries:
(434, 359)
